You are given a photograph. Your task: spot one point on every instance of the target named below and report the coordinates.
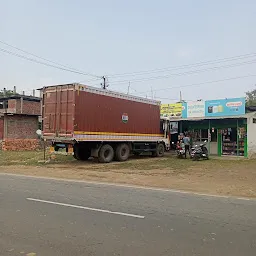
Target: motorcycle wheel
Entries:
(196, 158)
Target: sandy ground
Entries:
(221, 177)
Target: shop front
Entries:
(224, 136)
(222, 123)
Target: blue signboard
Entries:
(225, 107)
(184, 110)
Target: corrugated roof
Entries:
(25, 97)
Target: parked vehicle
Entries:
(180, 150)
(199, 151)
(93, 122)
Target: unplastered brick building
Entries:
(19, 121)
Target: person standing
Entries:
(186, 141)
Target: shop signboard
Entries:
(171, 110)
(193, 109)
(225, 107)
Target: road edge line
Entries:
(129, 186)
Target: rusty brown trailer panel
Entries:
(100, 113)
(58, 110)
(75, 108)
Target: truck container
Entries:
(93, 122)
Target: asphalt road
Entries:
(49, 217)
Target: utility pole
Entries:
(128, 92)
(152, 95)
(104, 83)
(180, 97)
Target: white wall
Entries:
(251, 137)
(213, 148)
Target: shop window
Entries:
(195, 135)
(204, 134)
(240, 141)
(3, 104)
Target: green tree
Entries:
(7, 93)
(251, 98)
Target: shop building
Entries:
(224, 124)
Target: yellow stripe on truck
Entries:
(116, 134)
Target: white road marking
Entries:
(86, 208)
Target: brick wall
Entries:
(20, 144)
(25, 107)
(20, 133)
(21, 127)
(31, 108)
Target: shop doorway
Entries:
(214, 141)
(229, 142)
(233, 141)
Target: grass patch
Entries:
(167, 163)
(33, 158)
(173, 163)
(222, 176)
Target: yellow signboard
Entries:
(171, 110)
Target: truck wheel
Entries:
(76, 155)
(106, 154)
(81, 153)
(159, 150)
(56, 148)
(122, 152)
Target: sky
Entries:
(114, 37)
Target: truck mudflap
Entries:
(62, 149)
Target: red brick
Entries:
(31, 108)
(21, 127)
(20, 144)
(26, 107)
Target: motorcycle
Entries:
(199, 152)
(180, 150)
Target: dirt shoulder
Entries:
(230, 177)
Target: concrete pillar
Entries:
(21, 105)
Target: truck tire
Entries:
(106, 154)
(159, 150)
(81, 153)
(122, 152)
